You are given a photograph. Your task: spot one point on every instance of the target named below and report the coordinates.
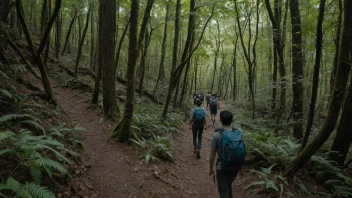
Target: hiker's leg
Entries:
(194, 131)
(200, 134)
(223, 184)
(231, 176)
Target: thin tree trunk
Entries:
(174, 57)
(318, 50)
(69, 32)
(342, 74)
(91, 52)
(143, 60)
(337, 47)
(118, 51)
(82, 40)
(161, 75)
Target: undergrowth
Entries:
(37, 151)
(155, 134)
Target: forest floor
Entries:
(115, 170)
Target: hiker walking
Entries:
(207, 98)
(214, 106)
(228, 144)
(197, 125)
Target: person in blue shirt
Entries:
(197, 125)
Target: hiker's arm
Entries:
(211, 161)
(190, 122)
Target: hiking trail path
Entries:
(115, 170)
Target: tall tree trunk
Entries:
(47, 47)
(82, 40)
(92, 33)
(69, 32)
(297, 70)
(124, 127)
(107, 40)
(161, 75)
(318, 49)
(342, 73)
(234, 65)
(337, 47)
(174, 57)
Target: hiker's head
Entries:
(198, 102)
(226, 117)
(214, 95)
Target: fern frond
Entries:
(41, 162)
(9, 117)
(258, 183)
(6, 93)
(35, 124)
(37, 191)
(36, 174)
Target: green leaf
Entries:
(6, 93)
(270, 184)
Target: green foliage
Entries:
(275, 150)
(332, 177)
(270, 181)
(155, 148)
(28, 190)
(40, 155)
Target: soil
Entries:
(116, 170)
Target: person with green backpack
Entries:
(229, 146)
(197, 125)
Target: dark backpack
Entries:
(233, 150)
(207, 97)
(199, 115)
(201, 97)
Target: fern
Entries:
(6, 93)
(36, 174)
(9, 117)
(41, 162)
(35, 124)
(37, 191)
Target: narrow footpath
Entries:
(115, 170)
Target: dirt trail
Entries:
(114, 170)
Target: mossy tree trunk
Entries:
(297, 70)
(337, 97)
(123, 130)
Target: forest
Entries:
(96, 96)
